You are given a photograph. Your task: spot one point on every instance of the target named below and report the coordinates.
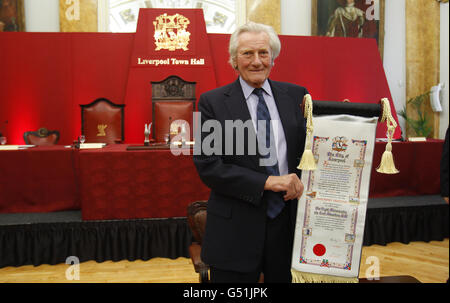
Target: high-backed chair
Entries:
(102, 121)
(196, 215)
(41, 137)
(172, 99)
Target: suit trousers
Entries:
(276, 261)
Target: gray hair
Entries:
(274, 41)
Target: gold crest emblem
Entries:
(101, 130)
(171, 32)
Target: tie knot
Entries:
(258, 92)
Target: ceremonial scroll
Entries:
(331, 212)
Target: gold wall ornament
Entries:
(422, 59)
(171, 32)
(265, 11)
(101, 130)
(78, 16)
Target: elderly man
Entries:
(253, 201)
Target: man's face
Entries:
(254, 58)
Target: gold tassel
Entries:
(387, 165)
(308, 162)
(304, 277)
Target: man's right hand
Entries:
(290, 184)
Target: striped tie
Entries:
(275, 202)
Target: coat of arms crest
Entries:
(101, 130)
(339, 144)
(171, 32)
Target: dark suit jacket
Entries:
(236, 220)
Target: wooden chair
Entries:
(172, 99)
(102, 121)
(196, 215)
(41, 137)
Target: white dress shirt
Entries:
(278, 131)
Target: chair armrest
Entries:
(195, 251)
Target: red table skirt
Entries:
(40, 179)
(113, 183)
(419, 166)
(120, 184)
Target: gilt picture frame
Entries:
(328, 18)
(12, 17)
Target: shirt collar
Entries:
(248, 90)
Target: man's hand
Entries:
(290, 184)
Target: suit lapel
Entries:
(238, 108)
(236, 102)
(287, 116)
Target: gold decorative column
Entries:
(78, 16)
(265, 11)
(422, 56)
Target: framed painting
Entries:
(349, 18)
(12, 16)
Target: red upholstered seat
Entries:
(168, 113)
(102, 121)
(41, 137)
(172, 99)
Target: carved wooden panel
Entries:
(173, 88)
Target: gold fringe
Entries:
(303, 277)
(387, 165)
(308, 162)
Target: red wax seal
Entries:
(319, 250)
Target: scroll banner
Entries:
(331, 212)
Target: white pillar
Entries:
(42, 15)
